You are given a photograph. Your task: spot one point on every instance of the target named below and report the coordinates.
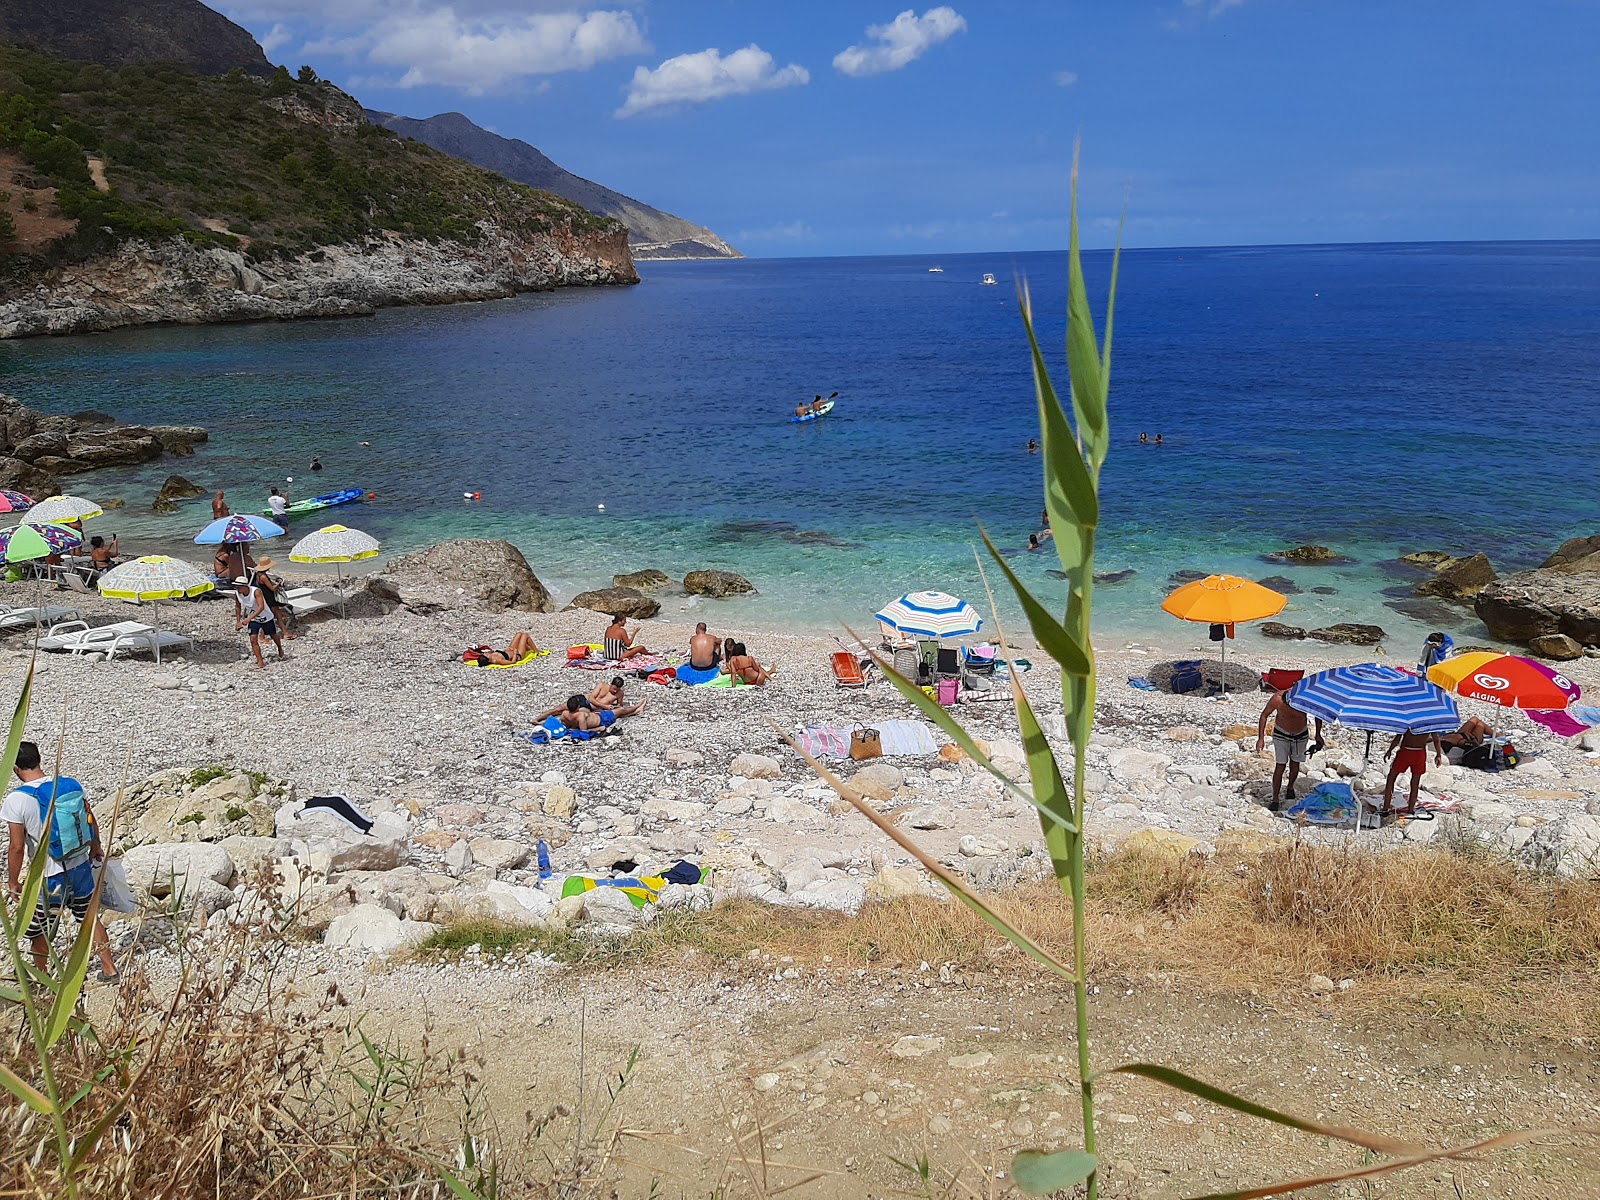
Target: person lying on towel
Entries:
(578, 714)
(487, 656)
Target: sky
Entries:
(835, 128)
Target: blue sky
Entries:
(866, 128)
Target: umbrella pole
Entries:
(155, 619)
(339, 567)
(1224, 662)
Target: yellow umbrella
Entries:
(1224, 600)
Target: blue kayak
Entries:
(826, 408)
(331, 500)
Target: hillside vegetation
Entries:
(272, 166)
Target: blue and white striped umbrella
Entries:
(930, 614)
(1376, 698)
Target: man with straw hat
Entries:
(253, 611)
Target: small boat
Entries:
(988, 280)
(827, 407)
(330, 500)
(935, 270)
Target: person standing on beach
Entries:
(1290, 740)
(703, 648)
(1413, 757)
(219, 507)
(253, 611)
(69, 881)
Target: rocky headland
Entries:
(36, 448)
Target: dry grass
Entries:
(1463, 936)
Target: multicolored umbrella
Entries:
(1376, 698)
(334, 544)
(65, 508)
(32, 540)
(930, 615)
(14, 502)
(152, 579)
(1508, 680)
(1224, 600)
(241, 527)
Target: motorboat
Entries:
(988, 279)
(935, 270)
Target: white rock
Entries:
(609, 906)
(250, 854)
(671, 810)
(1205, 773)
(801, 874)
(788, 810)
(1568, 846)
(756, 766)
(374, 930)
(980, 1058)
(839, 895)
(928, 816)
(885, 775)
(458, 859)
(500, 854)
(893, 883)
(507, 902)
(914, 1046)
(1138, 766)
(684, 758)
(162, 868)
(560, 802)
(734, 806)
(553, 777)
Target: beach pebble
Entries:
(755, 766)
(676, 757)
(499, 854)
(459, 814)
(458, 859)
(734, 806)
(787, 810)
(928, 816)
(560, 802)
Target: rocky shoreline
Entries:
(379, 706)
(175, 283)
(37, 448)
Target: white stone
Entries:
(375, 930)
(1138, 766)
(684, 758)
(838, 895)
(894, 883)
(915, 1046)
(734, 806)
(788, 810)
(500, 854)
(610, 906)
(162, 868)
(885, 775)
(250, 854)
(1568, 846)
(980, 1058)
(801, 874)
(458, 859)
(756, 766)
(1204, 773)
(671, 810)
(927, 816)
(553, 777)
(560, 802)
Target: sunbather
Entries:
(619, 642)
(579, 715)
(745, 669)
(521, 646)
(1473, 732)
(607, 695)
(703, 649)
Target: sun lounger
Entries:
(847, 670)
(76, 637)
(302, 601)
(30, 618)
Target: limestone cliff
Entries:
(174, 282)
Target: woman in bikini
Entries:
(521, 646)
(619, 642)
(746, 669)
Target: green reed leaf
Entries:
(23, 1090)
(1053, 636)
(1041, 1174)
(1068, 486)
(1083, 350)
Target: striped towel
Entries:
(825, 741)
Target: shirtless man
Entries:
(801, 409)
(578, 714)
(1413, 757)
(219, 507)
(703, 649)
(1289, 740)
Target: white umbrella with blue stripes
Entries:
(1376, 698)
(930, 615)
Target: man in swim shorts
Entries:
(1413, 757)
(703, 650)
(579, 715)
(1290, 740)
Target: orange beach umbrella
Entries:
(1224, 600)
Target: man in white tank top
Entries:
(253, 611)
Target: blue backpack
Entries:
(71, 827)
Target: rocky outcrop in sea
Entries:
(174, 283)
(1553, 609)
(37, 448)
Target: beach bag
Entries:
(574, 653)
(865, 743)
(71, 830)
(949, 691)
(475, 656)
(1496, 756)
(115, 894)
(1186, 676)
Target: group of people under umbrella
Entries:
(54, 527)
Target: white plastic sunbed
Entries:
(303, 601)
(28, 618)
(76, 637)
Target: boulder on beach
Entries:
(1560, 597)
(1459, 578)
(619, 602)
(30, 479)
(1348, 633)
(1557, 647)
(1315, 556)
(648, 581)
(483, 573)
(716, 583)
(174, 489)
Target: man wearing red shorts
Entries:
(1413, 757)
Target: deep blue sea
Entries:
(1372, 398)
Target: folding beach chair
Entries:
(847, 672)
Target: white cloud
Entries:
(903, 40)
(473, 45)
(783, 231)
(1213, 8)
(1065, 78)
(707, 75)
(278, 35)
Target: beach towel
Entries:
(693, 676)
(1326, 804)
(552, 730)
(1583, 712)
(1141, 682)
(824, 741)
(1558, 721)
(521, 662)
(641, 889)
(906, 737)
(639, 662)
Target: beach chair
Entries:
(1280, 678)
(33, 618)
(303, 601)
(123, 637)
(847, 672)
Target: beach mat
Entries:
(898, 738)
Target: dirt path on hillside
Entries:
(814, 1068)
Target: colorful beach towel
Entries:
(639, 662)
(552, 730)
(640, 889)
(1326, 804)
(695, 677)
(824, 741)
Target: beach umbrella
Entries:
(14, 502)
(1377, 699)
(241, 527)
(152, 579)
(34, 539)
(1508, 680)
(65, 508)
(334, 544)
(930, 615)
(1224, 600)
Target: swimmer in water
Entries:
(316, 464)
(1033, 445)
(1158, 439)
(1144, 439)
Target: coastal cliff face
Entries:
(174, 282)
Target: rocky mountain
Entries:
(153, 194)
(117, 32)
(651, 232)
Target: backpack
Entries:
(71, 827)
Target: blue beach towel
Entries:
(692, 675)
(1326, 804)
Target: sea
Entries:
(1375, 399)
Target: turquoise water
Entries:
(1375, 399)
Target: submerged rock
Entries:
(649, 580)
(1459, 578)
(1281, 584)
(1348, 633)
(1316, 556)
(1107, 577)
(174, 489)
(1277, 629)
(716, 583)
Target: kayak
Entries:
(318, 503)
(826, 408)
